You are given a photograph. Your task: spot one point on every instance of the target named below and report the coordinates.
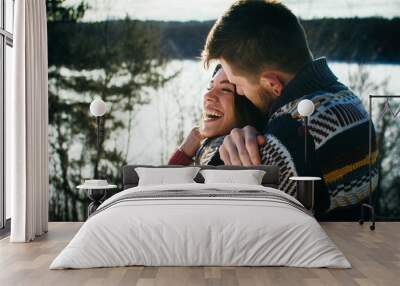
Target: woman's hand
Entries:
(192, 142)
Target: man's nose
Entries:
(239, 90)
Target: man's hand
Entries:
(192, 142)
(240, 147)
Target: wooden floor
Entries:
(375, 257)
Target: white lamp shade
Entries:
(98, 107)
(306, 107)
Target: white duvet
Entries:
(188, 231)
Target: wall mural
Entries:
(152, 81)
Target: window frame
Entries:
(6, 39)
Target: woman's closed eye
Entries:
(221, 87)
(226, 90)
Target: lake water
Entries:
(174, 109)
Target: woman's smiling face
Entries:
(218, 107)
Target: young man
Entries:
(264, 52)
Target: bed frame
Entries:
(130, 178)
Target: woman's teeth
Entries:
(212, 116)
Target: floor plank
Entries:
(374, 255)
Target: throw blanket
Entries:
(205, 194)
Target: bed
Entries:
(198, 224)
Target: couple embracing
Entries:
(265, 68)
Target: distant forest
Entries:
(352, 40)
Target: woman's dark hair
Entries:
(246, 112)
(217, 68)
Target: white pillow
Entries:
(163, 176)
(248, 177)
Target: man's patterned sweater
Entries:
(337, 148)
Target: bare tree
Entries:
(177, 113)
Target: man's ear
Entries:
(272, 83)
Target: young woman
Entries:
(223, 110)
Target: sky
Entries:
(185, 10)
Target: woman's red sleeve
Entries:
(180, 158)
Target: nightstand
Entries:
(305, 190)
(96, 195)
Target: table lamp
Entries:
(305, 185)
(306, 108)
(98, 108)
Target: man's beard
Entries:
(266, 98)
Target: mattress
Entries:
(201, 225)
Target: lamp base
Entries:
(372, 209)
(96, 196)
(305, 193)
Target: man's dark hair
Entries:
(253, 35)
